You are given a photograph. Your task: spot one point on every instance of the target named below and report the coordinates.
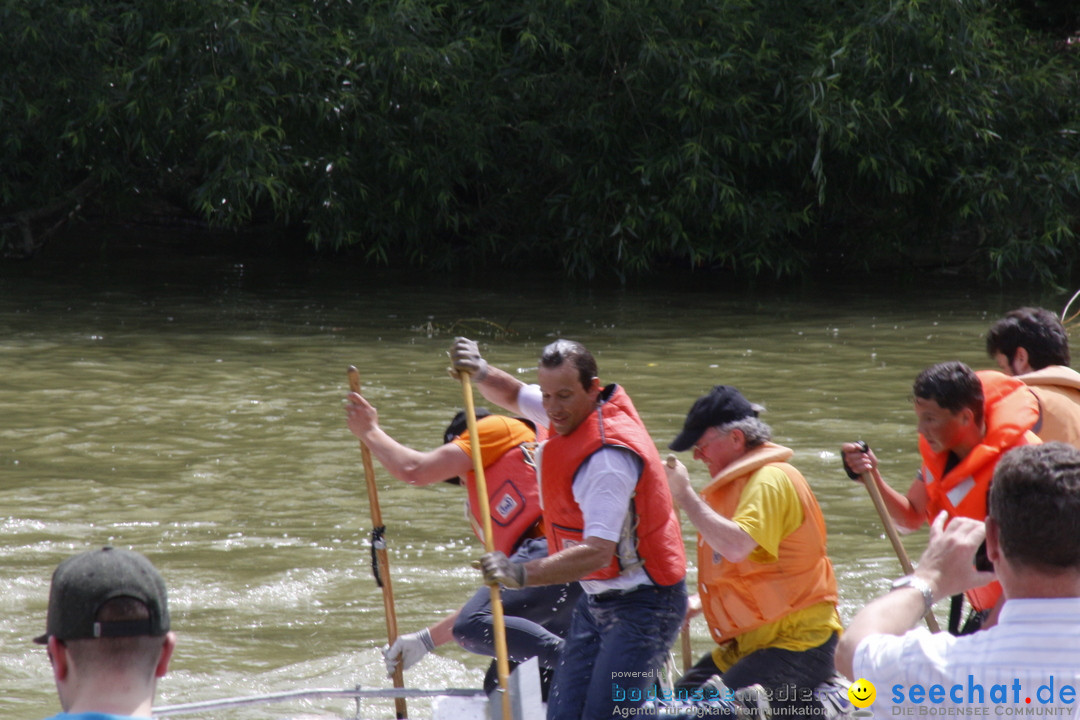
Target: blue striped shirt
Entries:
(1026, 665)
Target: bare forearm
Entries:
(892, 614)
(442, 632)
(945, 567)
(722, 534)
(413, 466)
(402, 462)
(907, 511)
(501, 388)
(570, 564)
(901, 509)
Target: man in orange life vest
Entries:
(536, 618)
(610, 523)
(967, 421)
(766, 584)
(1031, 345)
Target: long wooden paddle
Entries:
(687, 651)
(871, 480)
(381, 565)
(502, 655)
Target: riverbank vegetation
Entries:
(776, 137)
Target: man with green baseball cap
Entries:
(107, 633)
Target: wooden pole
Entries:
(687, 652)
(382, 563)
(871, 480)
(502, 655)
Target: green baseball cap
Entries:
(81, 584)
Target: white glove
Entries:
(465, 355)
(498, 569)
(407, 649)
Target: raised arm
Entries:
(404, 463)
(907, 511)
(495, 385)
(945, 568)
(722, 534)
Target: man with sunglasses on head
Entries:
(765, 582)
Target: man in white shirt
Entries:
(1029, 663)
(609, 521)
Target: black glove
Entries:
(851, 473)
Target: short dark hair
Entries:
(1036, 330)
(136, 653)
(560, 351)
(1035, 501)
(460, 423)
(952, 385)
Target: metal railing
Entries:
(310, 694)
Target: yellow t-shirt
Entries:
(769, 510)
(498, 434)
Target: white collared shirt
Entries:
(603, 488)
(1035, 645)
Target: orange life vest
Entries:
(656, 543)
(740, 596)
(1009, 413)
(513, 497)
(1058, 389)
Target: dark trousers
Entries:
(616, 643)
(789, 676)
(537, 618)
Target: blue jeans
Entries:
(537, 618)
(615, 646)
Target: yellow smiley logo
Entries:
(862, 693)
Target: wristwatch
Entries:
(919, 584)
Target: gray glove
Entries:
(499, 570)
(407, 649)
(465, 356)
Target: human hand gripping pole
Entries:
(870, 479)
(380, 562)
(465, 358)
(502, 655)
(499, 570)
(407, 650)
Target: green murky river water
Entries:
(191, 409)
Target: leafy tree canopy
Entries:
(774, 136)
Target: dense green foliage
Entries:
(776, 136)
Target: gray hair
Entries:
(754, 429)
